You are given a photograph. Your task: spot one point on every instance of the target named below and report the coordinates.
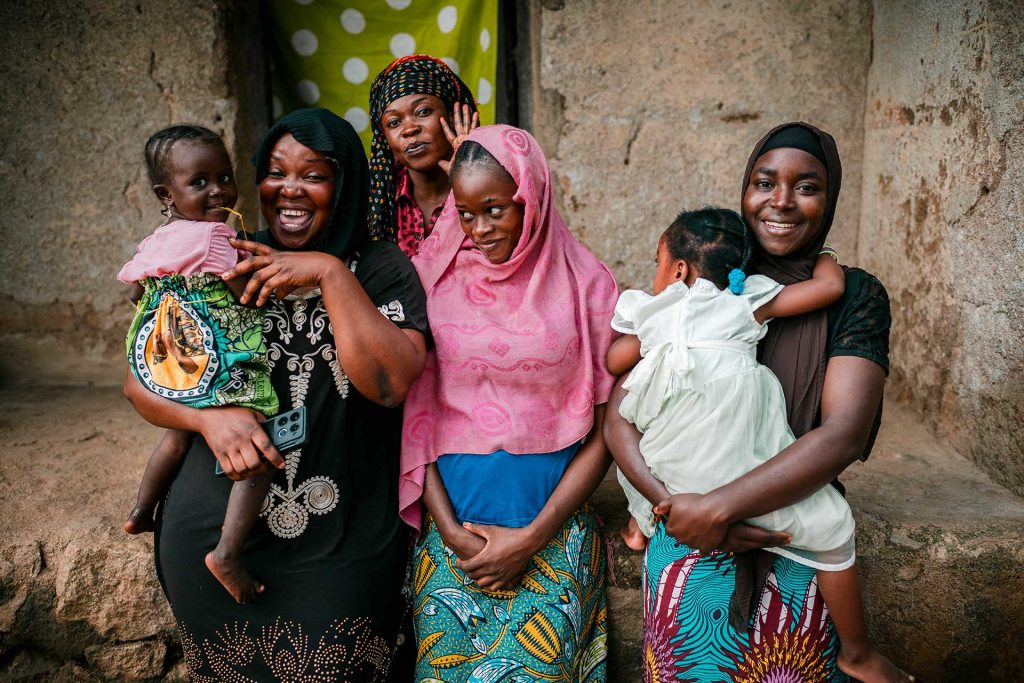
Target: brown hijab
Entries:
(794, 348)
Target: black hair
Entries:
(472, 153)
(713, 241)
(159, 145)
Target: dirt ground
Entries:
(938, 544)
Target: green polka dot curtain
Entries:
(326, 53)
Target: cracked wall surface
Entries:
(648, 107)
(943, 217)
(85, 84)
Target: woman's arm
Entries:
(825, 287)
(381, 360)
(623, 354)
(507, 551)
(235, 435)
(850, 399)
(439, 505)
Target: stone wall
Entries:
(943, 217)
(646, 107)
(650, 106)
(85, 83)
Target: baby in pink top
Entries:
(191, 341)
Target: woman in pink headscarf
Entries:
(502, 436)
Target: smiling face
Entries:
(412, 127)
(489, 215)
(199, 182)
(297, 195)
(785, 200)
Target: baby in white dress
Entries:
(708, 411)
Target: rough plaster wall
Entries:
(943, 219)
(85, 83)
(647, 107)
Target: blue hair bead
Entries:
(736, 278)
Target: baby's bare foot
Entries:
(633, 537)
(872, 667)
(233, 576)
(139, 521)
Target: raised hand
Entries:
(464, 123)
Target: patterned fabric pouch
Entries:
(192, 342)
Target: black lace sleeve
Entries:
(858, 324)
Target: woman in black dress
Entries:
(346, 341)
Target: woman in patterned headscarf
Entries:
(420, 111)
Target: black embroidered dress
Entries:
(328, 545)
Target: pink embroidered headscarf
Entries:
(519, 356)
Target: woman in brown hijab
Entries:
(739, 615)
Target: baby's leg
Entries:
(161, 469)
(857, 656)
(632, 535)
(225, 561)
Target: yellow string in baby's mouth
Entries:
(241, 220)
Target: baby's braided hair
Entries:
(472, 153)
(159, 145)
(716, 242)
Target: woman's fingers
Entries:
(257, 248)
(448, 132)
(265, 445)
(742, 537)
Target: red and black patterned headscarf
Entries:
(412, 75)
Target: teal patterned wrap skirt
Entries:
(552, 627)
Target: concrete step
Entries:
(940, 548)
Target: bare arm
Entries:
(825, 287)
(623, 439)
(135, 292)
(850, 399)
(381, 360)
(623, 354)
(439, 505)
(507, 551)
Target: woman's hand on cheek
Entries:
(504, 557)
(690, 520)
(278, 273)
(238, 441)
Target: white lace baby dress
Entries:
(710, 413)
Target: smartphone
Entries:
(287, 432)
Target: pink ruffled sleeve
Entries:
(182, 248)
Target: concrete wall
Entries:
(943, 217)
(645, 107)
(85, 83)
